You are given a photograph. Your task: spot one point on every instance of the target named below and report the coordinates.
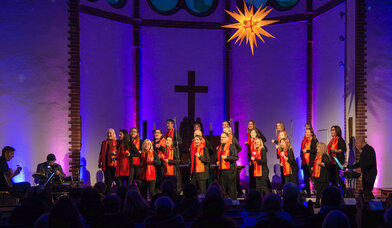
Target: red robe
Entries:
(135, 160)
(105, 154)
(199, 164)
(258, 167)
(169, 154)
(317, 168)
(285, 164)
(147, 171)
(223, 151)
(122, 168)
(333, 144)
(306, 145)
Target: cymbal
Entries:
(38, 176)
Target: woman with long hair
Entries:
(320, 170)
(135, 208)
(308, 153)
(108, 159)
(122, 169)
(281, 134)
(159, 144)
(260, 166)
(337, 148)
(134, 163)
(287, 162)
(148, 173)
(171, 158)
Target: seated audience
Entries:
(90, 206)
(189, 207)
(135, 208)
(253, 202)
(164, 216)
(111, 218)
(292, 204)
(169, 189)
(101, 188)
(273, 215)
(336, 219)
(63, 214)
(331, 199)
(388, 218)
(213, 208)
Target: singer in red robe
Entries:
(122, 168)
(320, 170)
(170, 159)
(287, 162)
(134, 163)
(227, 157)
(176, 138)
(148, 173)
(337, 148)
(159, 144)
(258, 159)
(108, 160)
(308, 153)
(200, 160)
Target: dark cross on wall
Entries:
(191, 89)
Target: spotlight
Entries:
(341, 64)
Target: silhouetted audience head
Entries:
(213, 205)
(272, 203)
(100, 187)
(90, 205)
(121, 192)
(168, 188)
(190, 190)
(388, 218)
(253, 201)
(215, 189)
(133, 187)
(331, 196)
(64, 214)
(112, 204)
(290, 191)
(135, 207)
(164, 206)
(173, 180)
(336, 219)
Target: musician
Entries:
(159, 144)
(320, 170)
(170, 159)
(46, 169)
(227, 157)
(287, 162)
(259, 160)
(337, 148)
(148, 173)
(308, 153)
(200, 160)
(108, 159)
(134, 164)
(368, 164)
(6, 174)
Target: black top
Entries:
(291, 160)
(367, 162)
(324, 172)
(237, 144)
(341, 146)
(206, 161)
(312, 151)
(263, 162)
(3, 171)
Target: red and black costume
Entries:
(148, 172)
(134, 163)
(321, 174)
(310, 144)
(108, 162)
(337, 143)
(200, 166)
(227, 169)
(260, 170)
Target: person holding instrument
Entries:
(46, 169)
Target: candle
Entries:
(210, 126)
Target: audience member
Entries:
(135, 208)
(388, 218)
(111, 218)
(90, 206)
(292, 204)
(189, 207)
(164, 216)
(101, 188)
(336, 219)
(169, 189)
(272, 215)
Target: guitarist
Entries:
(6, 174)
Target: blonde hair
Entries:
(282, 126)
(229, 129)
(287, 142)
(112, 130)
(147, 141)
(261, 143)
(323, 148)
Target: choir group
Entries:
(128, 160)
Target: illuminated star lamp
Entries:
(249, 25)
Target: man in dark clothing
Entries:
(6, 174)
(46, 169)
(368, 164)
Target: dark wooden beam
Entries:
(136, 65)
(228, 55)
(329, 5)
(74, 119)
(309, 62)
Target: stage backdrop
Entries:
(379, 78)
(33, 82)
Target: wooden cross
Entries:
(191, 89)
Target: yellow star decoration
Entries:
(249, 25)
